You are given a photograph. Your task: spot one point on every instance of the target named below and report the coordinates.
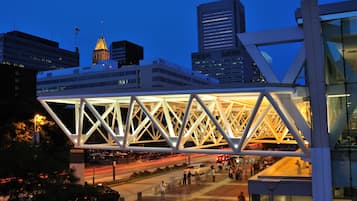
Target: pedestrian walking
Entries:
(184, 178)
(163, 190)
(189, 177)
(298, 165)
(230, 172)
(241, 197)
(213, 173)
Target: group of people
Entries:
(187, 177)
(235, 172)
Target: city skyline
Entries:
(166, 29)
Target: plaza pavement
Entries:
(203, 189)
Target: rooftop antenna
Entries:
(76, 32)
(14, 24)
(102, 27)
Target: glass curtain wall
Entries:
(340, 40)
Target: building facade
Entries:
(229, 66)
(126, 53)
(105, 76)
(220, 53)
(339, 28)
(33, 52)
(18, 88)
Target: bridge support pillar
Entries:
(77, 164)
(320, 150)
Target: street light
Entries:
(38, 120)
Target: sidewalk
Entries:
(222, 189)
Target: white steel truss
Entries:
(221, 121)
(228, 120)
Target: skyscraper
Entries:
(126, 53)
(220, 54)
(33, 52)
(218, 24)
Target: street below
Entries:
(125, 170)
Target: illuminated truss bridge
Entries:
(219, 120)
(205, 120)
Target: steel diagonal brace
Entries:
(119, 119)
(292, 129)
(97, 123)
(168, 118)
(290, 108)
(129, 117)
(214, 120)
(154, 121)
(270, 37)
(238, 148)
(195, 125)
(184, 122)
(147, 119)
(58, 121)
(224, 118)
(272, 127)
(262, 64)
(104, 124)
(296, 67)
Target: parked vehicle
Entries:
(197, 169)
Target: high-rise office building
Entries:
(100, 52)
(33, 52)
(126, 53)
(218, 24)
(220, 54)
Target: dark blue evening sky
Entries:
(165, 28)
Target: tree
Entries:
(50, 155)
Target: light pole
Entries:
(36, 137)
(38, 120)
(93, 176)
(114, 165)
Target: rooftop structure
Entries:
(106, 77)
(126, 53)
(100, 52)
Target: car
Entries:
(197, 169)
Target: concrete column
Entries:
(77, 164)
(320, 151)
